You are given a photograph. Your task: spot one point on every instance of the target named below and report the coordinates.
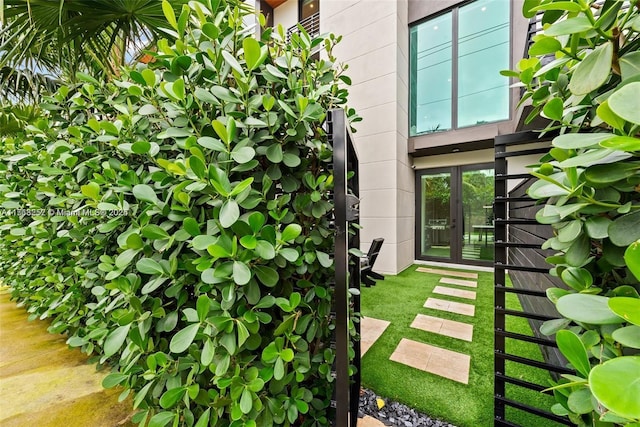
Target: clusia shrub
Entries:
(583, 75)
(175, 222)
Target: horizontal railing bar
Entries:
(525, 314)
(521, 152)
(534, 410)
(513, 176)
(516, 221)
(521, 291)
(521, 268)
(522, 383)
(527, 338)
(514, 199)
(534, 363)
(497, 422)
(517, 245)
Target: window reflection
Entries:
(482, 44)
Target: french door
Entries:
(454, 214)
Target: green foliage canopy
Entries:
(583, 75)
(175, 223)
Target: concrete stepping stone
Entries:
(368, 421)
(450, 306)
(449, 328)
(439, 361)
(459, 282)
(370, 330)
(463, 274)
(453, 292)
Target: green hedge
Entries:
(175, 223)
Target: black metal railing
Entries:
(347, 267)
(518, 250)
(311, 25)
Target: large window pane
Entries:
(477, 214)
(431, 78)
(435, 215)
(483, 50)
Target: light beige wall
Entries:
(375, 45)
(286, 14)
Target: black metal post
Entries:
(343, 212)
(500, 259)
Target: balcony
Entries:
(311, 25)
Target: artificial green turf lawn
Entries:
(398, 299)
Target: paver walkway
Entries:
(439, 361)
(436, 360)
(464, 274)
(44, 383)
(370, 331)
(453, 292)
(459, 282)
(449, 328)
(450, 306)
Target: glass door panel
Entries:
(477, 214)
(435, 207)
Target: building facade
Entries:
(426, 82)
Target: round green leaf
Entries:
(183, 338)
(267, 275)
(629, 336)
(241, 273)
(208, 351)
(274, 153)
(171, 397)
(580, 401)
(625, 102)
(593, 71)
(154, 232)
(145, 193)
(622, 143)
(125, 258)
(243, 154)
(251, 49)
(625, 229)
(632, 258)
(246, 400)
(592, 309)
(113, 380)
(550, 327)
(191, 226)
(249, 241)
(544, 46)
(91, 190)
(149, 266)
(161, 419)
(115, 340)
(578, 24)
(203, 241)
(573, 349)
(616, 384)
(229, 213)
(290, 232)
(210, 30)
(597, 227)
(577, 278)
(553, 109)
(627, 308)
(197, 166)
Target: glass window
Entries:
(456, 60)
(483, 50)
(432, 75)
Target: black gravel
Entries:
(394, 413)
